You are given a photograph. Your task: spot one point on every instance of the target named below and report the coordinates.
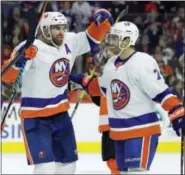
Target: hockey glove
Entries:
(29, 54)
(177, 117)
(101, 15)
(83, 80)
(102, 22)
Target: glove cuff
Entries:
(178, 112)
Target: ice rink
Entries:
(91, 164)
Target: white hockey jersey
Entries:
(130, 89)
(45, 79)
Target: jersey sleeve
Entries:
(98, 85)
(11, 75)
(80, 43)
(103, 81)
(152, 82)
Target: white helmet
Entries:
(51, 18)
(125, 29)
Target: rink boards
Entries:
(86, 129)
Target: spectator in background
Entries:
(96, 5)
(167, 55)
(165, 70)
(15, 41)
(4, 28)
(154, 33)
(180, 69)
(150, 6)
(6, 7)
(65, 8)
(138, 21)
(143, 46)
(114, 7)
(166, 32)
(15, 17)
(178, 88)
(18, 32)
(162, 42)
(179, 15)
(179, 38)
(170, 80)
(161, 28)
(82, 12)
(5, 54)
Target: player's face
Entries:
(112, 44)
(57, 33)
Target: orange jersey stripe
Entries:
(145, 151)
(28, 154)
(135, 133)
(103, 106)
(103, 121)
(45, 112)
(170, 102)
(102, 128)
(94, 88)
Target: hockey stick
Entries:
(29, 41)
(31, 17)
(182, 156)
(83, 92)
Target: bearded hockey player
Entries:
(132, 84)
(46, 126)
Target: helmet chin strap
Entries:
(50, 38)
(122, 49)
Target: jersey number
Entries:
(158, 74)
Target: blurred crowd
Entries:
(161, 26)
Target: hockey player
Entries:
(46, 126)
(107, 144)
(132, 83)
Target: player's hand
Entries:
(101, 24)
(83, 80)
(177, 117)
(31, 52)
(75, 86)
(86, 80)
(101, 15)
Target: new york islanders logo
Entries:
(120, 94)
(59, 72)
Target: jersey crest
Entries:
(59, 72)
(120, 94)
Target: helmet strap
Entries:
(50, 38)
(122, 49)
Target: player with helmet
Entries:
(132, 84)
(46, 126)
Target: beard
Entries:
(112, 49)
(58, 41)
